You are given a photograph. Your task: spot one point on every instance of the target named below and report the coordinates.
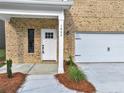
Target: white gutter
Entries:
(45, 2)
(38, 13)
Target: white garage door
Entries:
(99, 47)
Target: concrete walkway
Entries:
(107, 77)
(43, 84)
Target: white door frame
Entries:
(49, 45)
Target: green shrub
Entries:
(70, 61)
(76, 74)
(9, 68)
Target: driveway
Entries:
(107, 77)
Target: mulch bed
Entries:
(11, 85)
(1, 62)
(82, 86)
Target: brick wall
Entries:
(92, 16)
(17, 38)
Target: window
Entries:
(49, 35)
(31, 40)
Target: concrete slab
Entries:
(107, 77)
(35, 69)
(44, 69)
(24, 68)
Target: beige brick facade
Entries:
(84, 16)
(17, 38)
(92, 16)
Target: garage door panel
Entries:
(99, 47)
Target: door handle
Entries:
(43, 49)
(77, 55)
(108, 49)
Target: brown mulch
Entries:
(82, 86)
(11, 85)
(1, 62)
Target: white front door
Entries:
(49, 44)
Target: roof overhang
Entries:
(36, 4)
(33, 8)
(54, 2)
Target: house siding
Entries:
(92, 16)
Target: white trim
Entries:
(31, 16)
(61, 15)
(61, 44)
(6, 28)
(4, 18)
(61, 2)
(13, 13)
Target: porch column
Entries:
(61, 44)
(6, 35)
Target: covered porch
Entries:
(31, 9)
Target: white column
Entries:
(7, 20)
(61, 44)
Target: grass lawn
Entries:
(2, 54)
